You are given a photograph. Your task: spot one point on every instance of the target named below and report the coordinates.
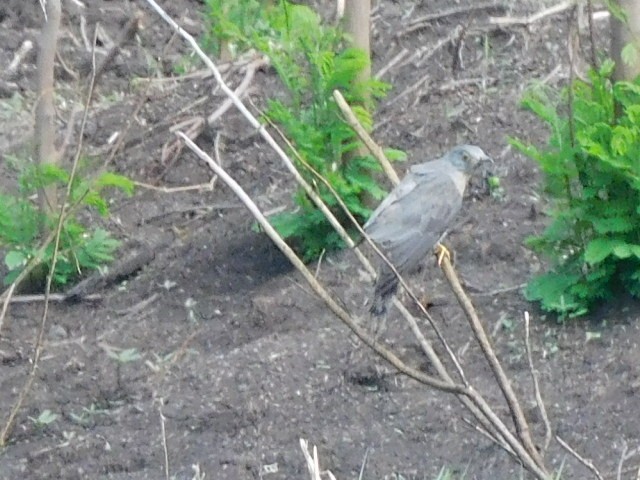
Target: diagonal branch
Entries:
(519, 420)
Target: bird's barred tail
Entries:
(386, 287)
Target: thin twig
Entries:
(587, 463)
(252, 68)
(373, 147)
(490, 437)
(205, 187)
(536, 386)
(5, 305)
(423, 54)
(18, 57)
(533, 18)
(395, 60)
(519, 420)
(53, 297)
(163, 433)
(497, 291)
(423, 22)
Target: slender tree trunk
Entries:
(45, 131)
(623, 34)
(358, 18)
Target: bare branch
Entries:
(373, 147)
(517, 414)
(423, 22)
(18, 57)
(528, 20)
(587, 463)
(536, 385)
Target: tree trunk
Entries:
(625, 33)
(45, 131)
(358, 18)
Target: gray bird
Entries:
(413, 217)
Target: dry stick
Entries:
(587, 463)
(171, 151)
(163, 432)
(426, 52)
(490, 437)
(519, 420)
(18, 57)
(422, 22)
(39, 345)
(207, 187)
(327, 297)
(397, 58)
(373, 147)
(528, 20)
(5, 305)
(53, 297)
(361, 333)
(536, 386)
(252, 68)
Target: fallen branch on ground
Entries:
(533, 18)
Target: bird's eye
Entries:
(465, 156)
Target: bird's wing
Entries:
(409, 222)
(417, 173)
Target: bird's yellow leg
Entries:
(441, 251)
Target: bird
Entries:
(412, 219)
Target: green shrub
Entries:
(22, 223)
(591, 169)
(312, 60)
(235, 22)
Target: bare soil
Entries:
(239, 359)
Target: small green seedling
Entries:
(46, 417)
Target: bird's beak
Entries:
(488, 159)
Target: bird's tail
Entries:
(385, 289)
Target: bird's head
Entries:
(466, 158)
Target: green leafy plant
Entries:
(122, 357)
(312, 60)
(235, 22)
(81, 248)
(592, 176)
(46, 417)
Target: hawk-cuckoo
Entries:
(414, 216)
